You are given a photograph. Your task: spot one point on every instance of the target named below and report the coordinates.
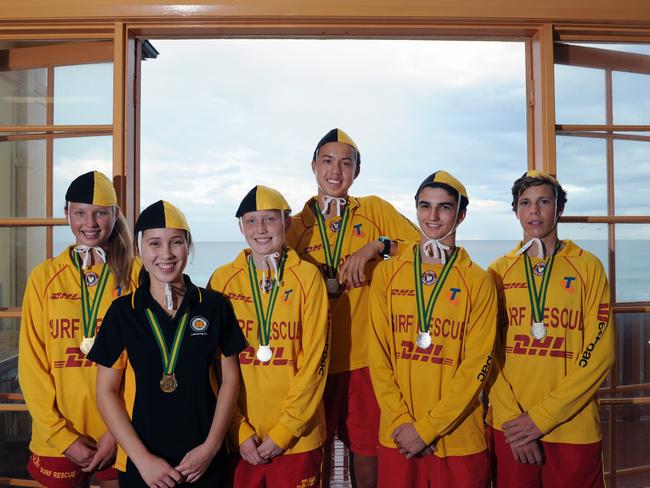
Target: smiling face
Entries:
(264, 230)
(164, 254)
(536, 211)
(91, 225)
(436, 212)
(335, 168)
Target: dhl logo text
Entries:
(549, 346)
(60, 295)
(75, 359)
(248, 356)
(432, 354)
(240, 297)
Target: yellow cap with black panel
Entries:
(93, 188)
(161, 215)
(262, 198)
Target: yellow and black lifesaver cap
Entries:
(93, 188)
(337, 135)
(262, 198)
(161, 215)
(443, 179)
(533, 173)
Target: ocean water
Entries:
(632, 261)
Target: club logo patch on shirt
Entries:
(91, 278)
(335, 226)
(266, 284)
(199, 324)
(357, 232)
(429, 278)
(539, 269)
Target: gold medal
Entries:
(87, 344)
(168, 383)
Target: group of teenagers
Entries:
(344, 319)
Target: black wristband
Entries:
(385, 252)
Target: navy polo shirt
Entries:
(170, 424)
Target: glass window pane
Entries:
(76, 156)
(631, 177)
(631, 97)
(22, 186)
(579, 95)
(591, 237)
(632, 446)
(633, 348)
(23, 97)
(24, 249)
(9, 330)
(62, 238)
(632, 263)
(15, 431)
(582, 170)
(83, 94)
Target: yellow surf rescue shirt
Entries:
(554, 379)
(370, 218)
(281, 399)
(437, 388)
(51, 330)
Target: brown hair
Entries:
(120, 251)
(522, 184)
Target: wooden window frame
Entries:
(131, 24)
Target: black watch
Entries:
(385, 252)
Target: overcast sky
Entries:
(220, 116)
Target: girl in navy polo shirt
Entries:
(172, 334)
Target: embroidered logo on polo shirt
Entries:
(358, 232)
(199, 325)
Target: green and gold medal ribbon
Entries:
(264, 318)
(426, 311)
(332, 259)
(538, 297)
(89, 308)
(169, 358)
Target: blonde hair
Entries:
(120, 251)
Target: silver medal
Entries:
(87, 344)
(424, 340)
(264, 353)
(538, 330)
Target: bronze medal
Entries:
(334, 288)
(168, 383)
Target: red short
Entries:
(564, 465)
(286, 471)
(352, 411)
(60, 472)
(472, 471)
